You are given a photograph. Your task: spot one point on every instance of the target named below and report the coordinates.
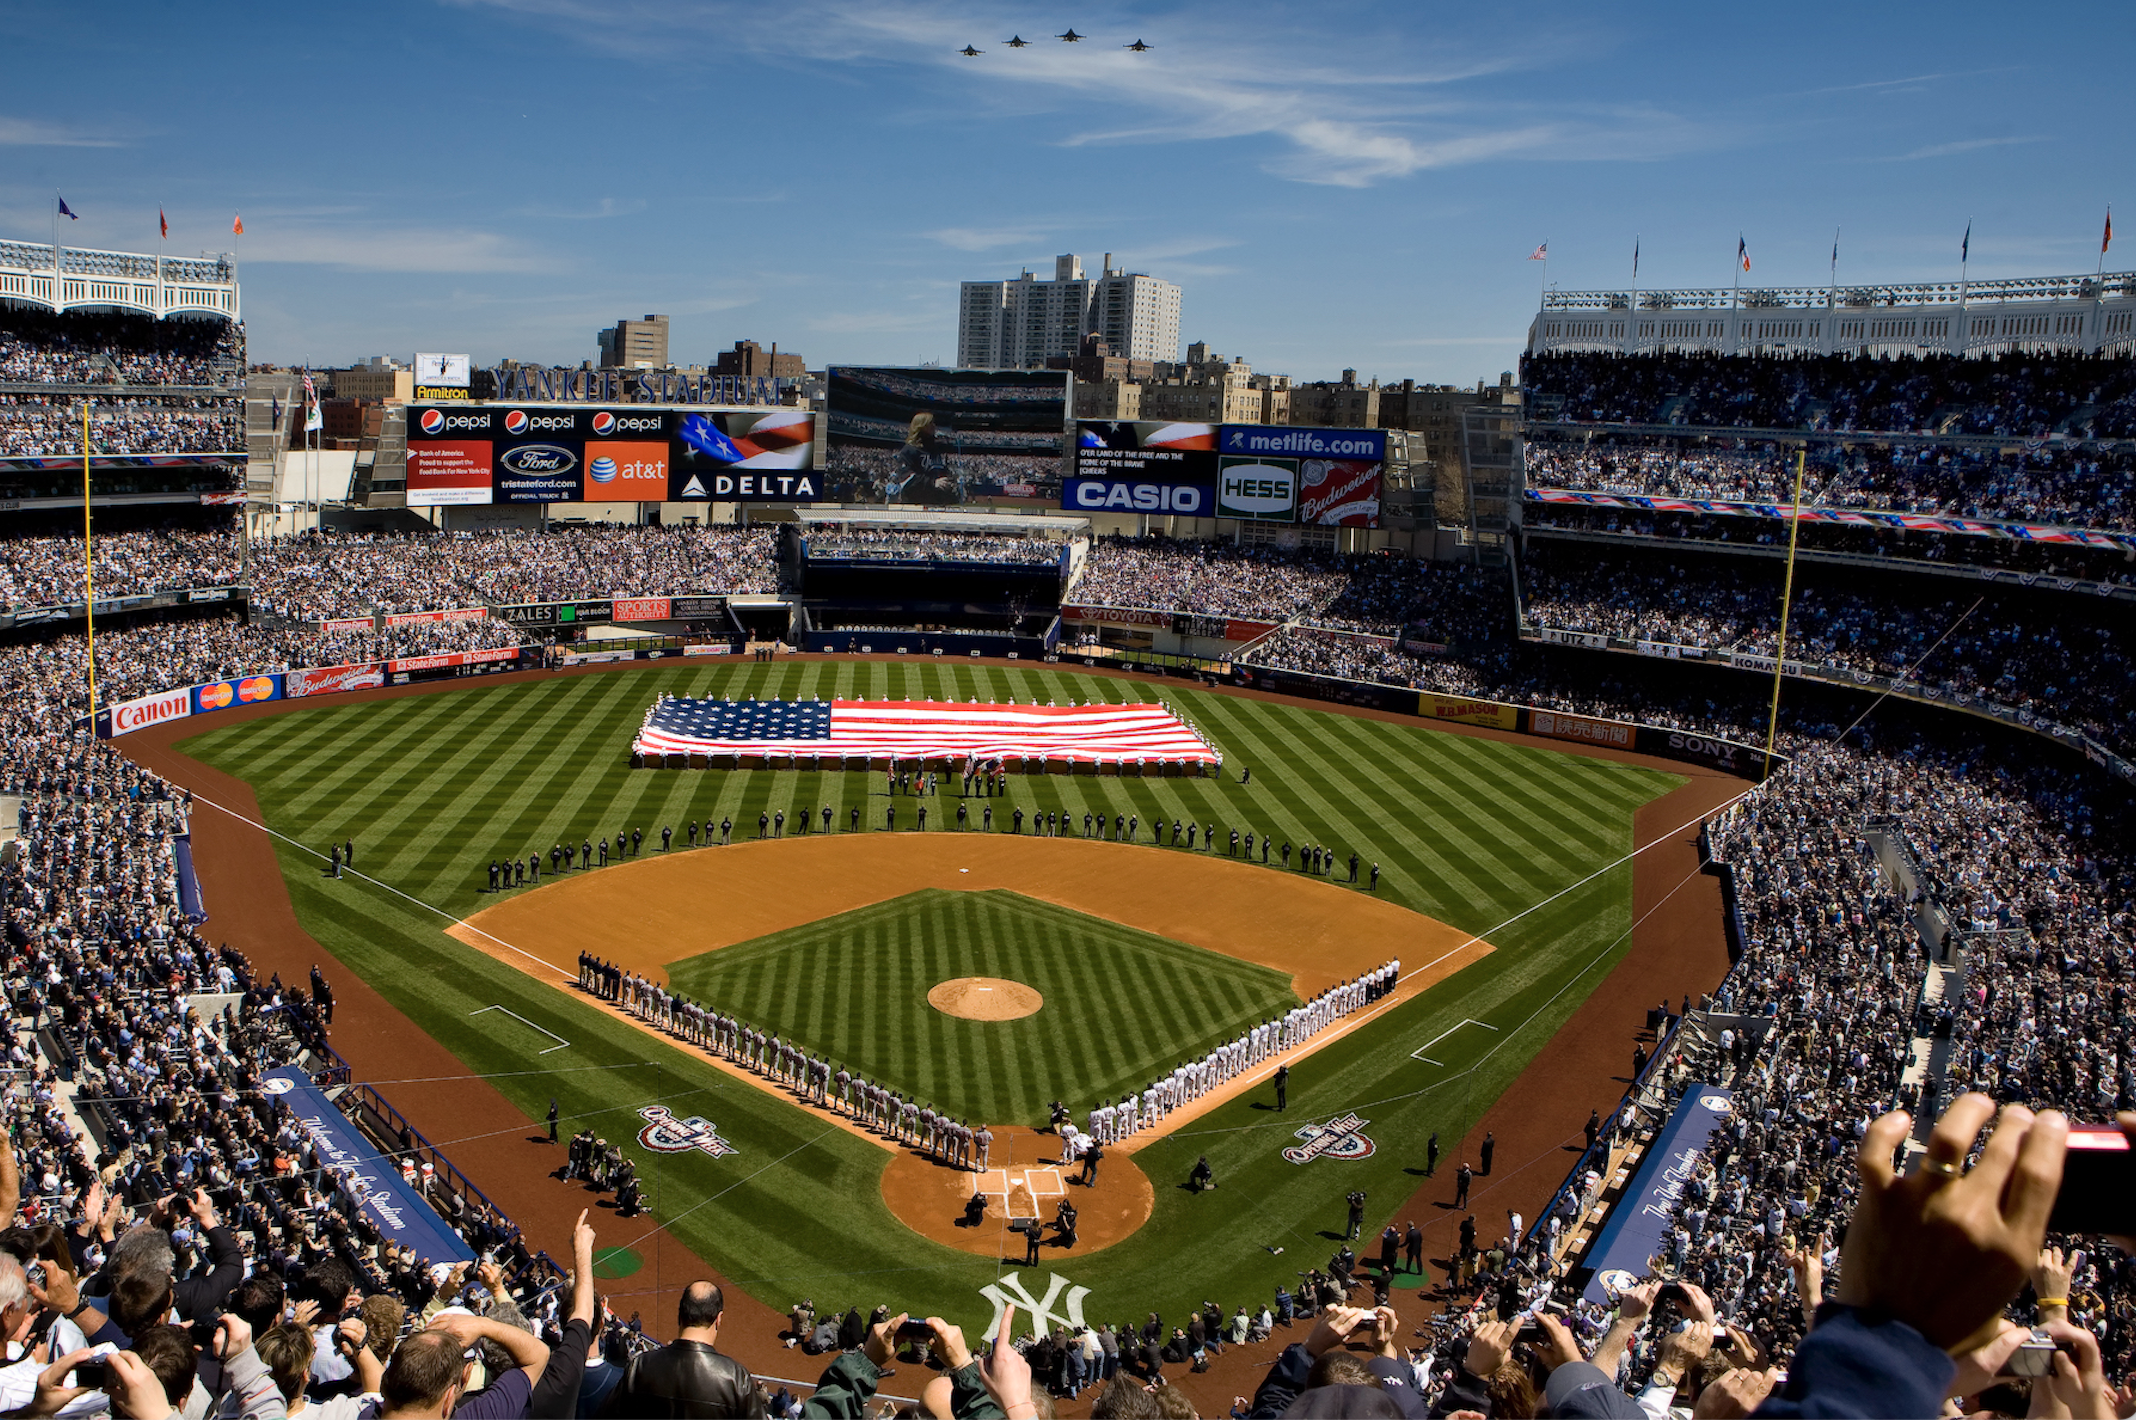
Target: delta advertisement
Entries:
(1255, 472)
(497, 453)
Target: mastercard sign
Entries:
(222, 694)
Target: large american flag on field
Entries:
(921, 729)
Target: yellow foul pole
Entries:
(88, 564)
(1787, 597)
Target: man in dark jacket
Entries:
(687, 1377)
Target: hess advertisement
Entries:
(628, 454)
(1143, 467)
(1264, 473)
(1327, 478)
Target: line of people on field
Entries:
(1191, 1079)
(935, 1133)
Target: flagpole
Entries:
(1787, 595)
(88, 560)
(1634, 318)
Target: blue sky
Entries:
(1338, 184)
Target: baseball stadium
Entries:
(1435, 887)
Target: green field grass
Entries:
(1468, 830)
(1122, 1006)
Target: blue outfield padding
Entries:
(1633, 1234)
(189, 899)
(366, 1175)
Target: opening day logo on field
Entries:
(1342, 1138)
(665, 1134)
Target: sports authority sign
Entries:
(1340, 1138)
(665, 1134)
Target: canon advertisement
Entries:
(1255, 472)
(497, 453)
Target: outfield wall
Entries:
(1661, 741)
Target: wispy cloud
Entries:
(984, 238)
(1909, 82)
(1338, 120)
(35, 133)
(1947, 150)
(441, 250)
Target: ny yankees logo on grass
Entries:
(1340, 1138)
(1040, 1314)
(664, 1133)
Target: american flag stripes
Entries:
(922, 729)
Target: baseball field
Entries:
(1502, 872)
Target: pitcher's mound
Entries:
(985, 998)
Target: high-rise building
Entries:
(1021, 324)
(634, 343)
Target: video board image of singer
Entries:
(942, 437)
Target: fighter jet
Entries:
(1019, 42)
(1140, 48)
(969, 53)
(1071, 37)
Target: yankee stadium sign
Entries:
(665, 1134)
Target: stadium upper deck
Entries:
(2076, 314)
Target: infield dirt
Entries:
(650, 911)
(985, 998)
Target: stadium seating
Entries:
(1923, 905)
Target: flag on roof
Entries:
(1541, 253)
(2107, 240)
(163, 222)
(1743, 253)
(67, 212)
(237, 227)
(920, 729)
(313, 419)
(1965, 246)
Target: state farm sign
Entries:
(151, 710)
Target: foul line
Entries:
(303, 847)
(561, 1043)
(1418, 1053)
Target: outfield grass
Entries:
(1122, 1006)
(1468, 830)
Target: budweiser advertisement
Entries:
(329, 679)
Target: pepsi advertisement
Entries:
(480, 454)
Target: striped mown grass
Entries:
(1121, 1006)
(1510, 841)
